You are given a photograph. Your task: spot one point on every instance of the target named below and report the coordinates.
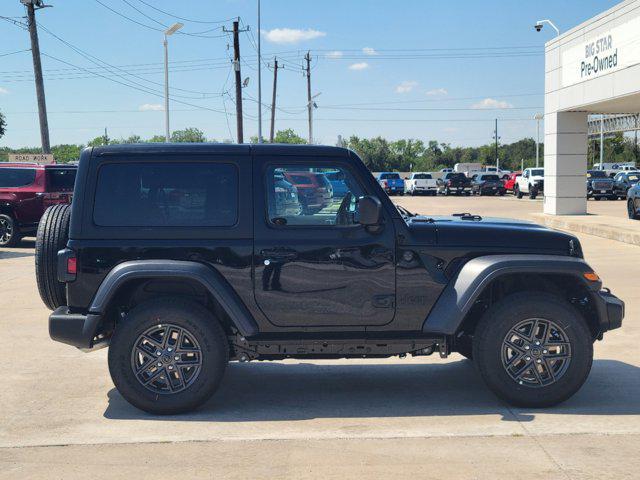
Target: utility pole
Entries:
(307, 57)
(537, 117)
(236, 67)
(273, 98)
(37, 71)
(259, 80)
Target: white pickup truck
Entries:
(531, 183)
(421, 183)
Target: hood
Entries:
(494, 234)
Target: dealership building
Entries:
(593, 68)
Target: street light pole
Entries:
(538, 117)
(539, 24)
(170, 31)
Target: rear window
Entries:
(422, 176)
(597, 174)
(60, 179)
(166, 195)
(390, 176)
(490, 177)
(16, 177)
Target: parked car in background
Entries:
(26, 191)
(446, 170)
(338, 183)
(531, 183)
(391, 183)
(504, 174)
(633, 202)
(421, 183)
(510, 182)
(314, 190)
(623, 181)
(600, 185)
(487, 184)
(467, 168)
(613, 168)
(285, 196)
(454, 183)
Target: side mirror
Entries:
(368, 211)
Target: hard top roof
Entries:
(218, 148)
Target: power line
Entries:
(13, 53)
(183, 18)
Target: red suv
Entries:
(510, 182)
(26, 190)
(314, 190)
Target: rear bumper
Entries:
(74, 329)
(610, 310)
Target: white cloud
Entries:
(292, 35)
(369, 51)
(437, 91)
(491, 103)
(406, 86)
(3, 91)
(334, 54)
(359, 66)
(151, 107)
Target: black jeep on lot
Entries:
(183, 257)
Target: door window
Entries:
(304, 195)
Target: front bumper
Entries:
(610, 310)
(74, 329)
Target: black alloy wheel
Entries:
(8, 231)
(536, 352)
(166, 358)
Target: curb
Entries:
(603, 226)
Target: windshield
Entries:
(597, 174)
(16, 177)
(537, 172)
(422, 176)
(632, 178)
(390, 176)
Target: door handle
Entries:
(278, 254)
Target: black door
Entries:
(314, 266)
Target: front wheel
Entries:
(9, 236)
(631, 210)
(518, 192)
(168, 356)
(533, 349)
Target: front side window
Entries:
(306, 195)
(166, 195)
(16, 177)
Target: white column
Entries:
(565, 163)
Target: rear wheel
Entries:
(52, 236)
(9, 235)
(631, 210)
(597, 199)
(533, 349)
(518, 192)
(168, 356)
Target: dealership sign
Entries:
(42, 158)
(602, 53)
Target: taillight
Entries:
(67, 265)
(385, 184)
(448, 183)
(72, 265)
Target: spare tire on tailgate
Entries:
(53, 233)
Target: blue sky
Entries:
(463, 63)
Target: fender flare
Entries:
(463, 290)
(208, 277)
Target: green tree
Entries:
(157, 139)
(188, 135)
(66, 153)
(3, 125)
(288, 136)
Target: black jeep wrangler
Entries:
(184, 257)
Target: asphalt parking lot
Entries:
(60, 416)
